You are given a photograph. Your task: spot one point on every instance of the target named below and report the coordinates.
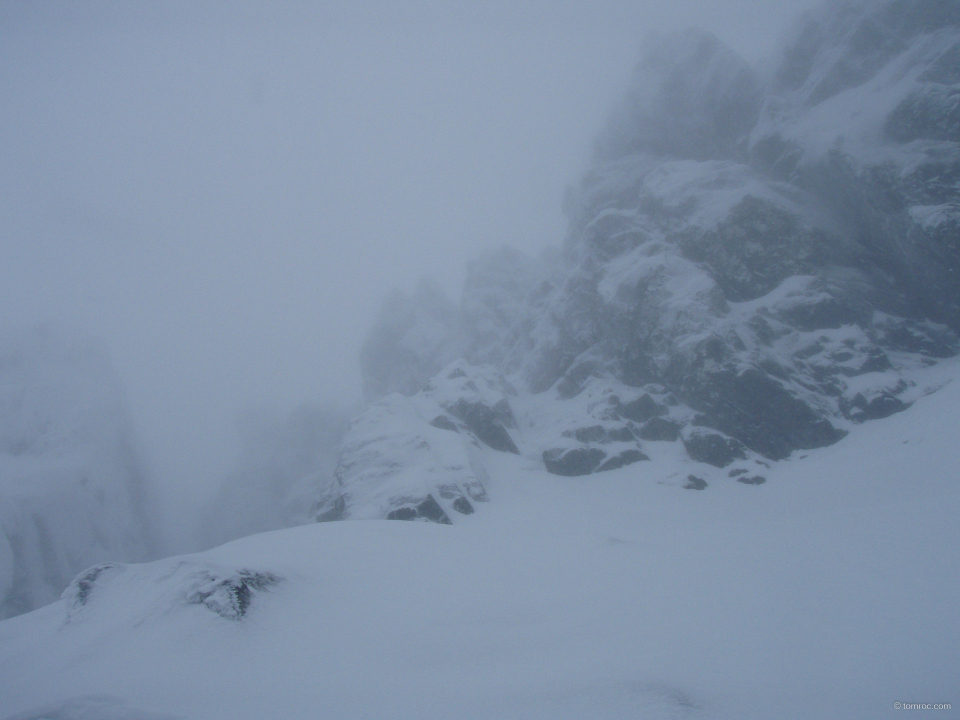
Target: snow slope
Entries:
(830, 591)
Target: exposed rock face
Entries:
(756, 260)
(762, 248)
(72, 487)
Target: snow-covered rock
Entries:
(72, 487)
(420, 457)
(175, 584)
(757, 294)
(757, 260)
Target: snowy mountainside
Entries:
(72, 487)
(863, 112)
(767, 256)
(828, 592)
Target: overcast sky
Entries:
(225, 191)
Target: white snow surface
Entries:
(830, 591)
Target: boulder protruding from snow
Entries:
(118, 589)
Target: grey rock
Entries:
(620, 434)
(444, 423)
(426, 509)
(573, 462)
(879, 406)
(487, 423)
(458, 500)
(641, 409)
(695, 483)
(659, 429)
(756, 409)
(595, 433)
(627, 457)
(229, 597)
(476, 491)
(713, 449)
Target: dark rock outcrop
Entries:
(627, 457)
(660, 429)
(229, 597)
(425, 509)
(573, 462)
(489, 424)
(713, 449)
(177, 583)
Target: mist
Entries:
(534, 359)
(225, 192)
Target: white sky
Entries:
(225, 191)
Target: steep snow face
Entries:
(72, 489)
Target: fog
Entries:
(224, 192)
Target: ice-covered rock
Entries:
(72, 486)
(863, 112)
